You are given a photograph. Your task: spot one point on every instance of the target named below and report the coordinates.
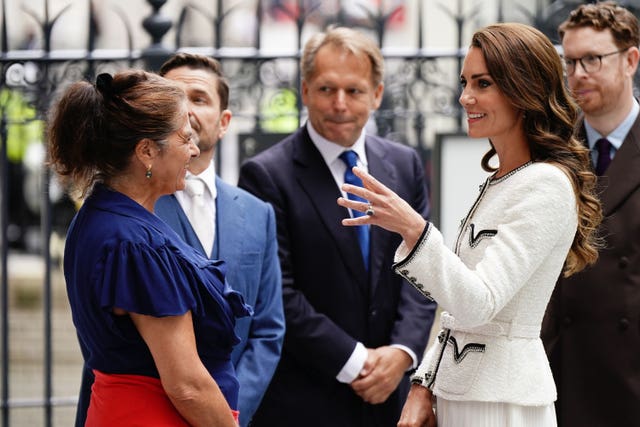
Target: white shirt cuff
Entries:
(414, 359)
(354, 365)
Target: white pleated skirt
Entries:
(451, 413)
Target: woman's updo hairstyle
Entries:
(94, 129)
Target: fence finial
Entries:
(157, 25)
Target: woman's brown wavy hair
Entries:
(528, 70)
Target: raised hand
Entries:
(385, 209)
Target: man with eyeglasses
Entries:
(592, 326)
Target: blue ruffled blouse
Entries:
(118, 254)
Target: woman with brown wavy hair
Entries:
(535, 217)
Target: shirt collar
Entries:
(616, 138)
(209, 177)
(330, 151)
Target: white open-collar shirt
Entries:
(210, 194)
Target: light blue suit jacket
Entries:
(246, 240)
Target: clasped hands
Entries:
(380, 376)
(382, 371)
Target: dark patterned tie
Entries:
(350, 159)
(604, 155)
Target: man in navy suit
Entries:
(354, 328)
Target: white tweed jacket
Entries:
(494, 287)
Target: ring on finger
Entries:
(369, 211)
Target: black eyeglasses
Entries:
(590, 63)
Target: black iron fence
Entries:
(420, 102)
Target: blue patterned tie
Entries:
(350, 159)
(604, 155)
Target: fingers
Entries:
(376, 194)
(358, 191)
(372, 188)
(383, 377)
(365, 385)
(371, 391)
(389, 210)
(370, 363)
(369, 181)
(356, 206)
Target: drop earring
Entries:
(148, 174)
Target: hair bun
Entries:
(103, 84)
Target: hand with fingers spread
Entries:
(385, 209)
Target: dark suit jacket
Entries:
(246, 240)
(331, 301)
(592, 326)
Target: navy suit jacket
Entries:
(245, 239)
(331, 301)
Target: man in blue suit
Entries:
(354, 328)
(244, 230)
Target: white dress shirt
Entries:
(209, 178)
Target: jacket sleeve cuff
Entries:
(404, 256)
(414, 358)
(354, 365)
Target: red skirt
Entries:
(131, 401)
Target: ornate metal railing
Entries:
(420, 102)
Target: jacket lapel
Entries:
(623, 174)
(380, 169)
(170, 211)
(229, 217)
(319, 187)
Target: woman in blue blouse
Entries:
(154, 319)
